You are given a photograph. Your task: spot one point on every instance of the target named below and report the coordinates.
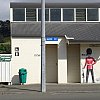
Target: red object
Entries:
(89, 62)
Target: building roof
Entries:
(80, 31)
(56, 5)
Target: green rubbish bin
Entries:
(22, 75)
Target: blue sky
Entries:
(5, 4)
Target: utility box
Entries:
(5, 68)
(22, 75)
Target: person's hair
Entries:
(89, 51)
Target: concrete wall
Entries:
(29, 58)
(62, 61)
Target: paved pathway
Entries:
(51, 88)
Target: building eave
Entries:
(54, 5)
(79, 31)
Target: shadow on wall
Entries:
(15, 80)
(62, 49)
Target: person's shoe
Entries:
(93, 82)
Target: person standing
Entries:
(89, 62)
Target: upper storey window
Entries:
(80, 14)
(92, 14)
(68, 14)
(18, 14)
(55, 14)
(46, 15)
(30, 14)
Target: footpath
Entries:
(50, 88)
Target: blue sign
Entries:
(51, 38)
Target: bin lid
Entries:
(22, 70)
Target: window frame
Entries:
(97, 15)
(13, 15)
(41, 16)
(76, 15)
(73, 15)
(26, 15)
(50, 15)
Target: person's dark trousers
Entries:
(87, 74)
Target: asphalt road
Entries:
(50, 96)
(54, 92)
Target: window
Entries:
(46, 14)
(92, 14)
(80, 14)
(30, 14)
(55, 14)
(18, 14)
(68, 14)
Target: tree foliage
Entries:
(5, 37)
(5, 28)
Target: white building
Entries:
(71, 28)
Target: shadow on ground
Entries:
(20, 88)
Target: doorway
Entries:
(73, 55)
(51, 63)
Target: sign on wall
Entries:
(51, 38)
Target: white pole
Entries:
(43, 66)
